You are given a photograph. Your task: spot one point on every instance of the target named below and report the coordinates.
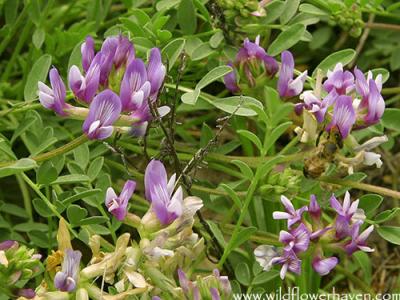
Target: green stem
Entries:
(25, 196)
(53, 153)
(389, 91)
(50, 205)
(361, 186)
(249, 197)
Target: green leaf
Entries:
(172, 51)
(244, 168)
(320, 37)
(80, 195)
(265, 277)
(213, 75)
(99, 229)
(289, 10)
(235, 198)
(95, 168)
(14, 210)
(76, 57)
(364, 262)
(231, 104)
(206, 135)
(391, 118)
(39, 238)
(42, 208)
(217, 233)
(136, 29)
(286, 39)
(242, 237)
(251, 137)
(46, 173)
(386, 215)
(93, 220)
(276, 133)
(81, 156)
(190, 97)
(312, 10)
(38, 73)
(23, 126)
(73, 178)
(370, 202)
(29, 226)
(344, 56)
(390, 233)
(38, 37)
(203, 51)
(166, 4)
(186, 17)
(274, 10)
(19, 166)
(216, 39)
(75, 213)
(242, 273)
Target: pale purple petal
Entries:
(155, 70)
(103, 112)
(324, 266)
(155, 175)
(87, 51)
(343, 116)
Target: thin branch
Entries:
(362, 40)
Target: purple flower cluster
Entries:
(166, 202)
(351, 101)
(99, 86)
(342, 235)
(253, 62)
(253, 66)
(66, 280)
(219, 288)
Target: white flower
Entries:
(372, 158)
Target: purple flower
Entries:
(155, 72)
(289, 261)
(230, 80)
(67, 279)
(156, 298)
(27, 293)
(253, 52)
(117, 205)
(292, 215)
(85, 87)
(223, 281)
(184, 282)
(313, 208)
(108, 50)
(345, 213)
(315, 105)
(340, 81)
(135, 88)
(7, 244)
(103, 112)
(124, 52)
(324, 265)
(87, 51)
(363, 84)
(53, 98)
(297, 239)
(358, 241)
(287, 86)
(373, 103)
(214, 294)
(167, 205)
(343, 116)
